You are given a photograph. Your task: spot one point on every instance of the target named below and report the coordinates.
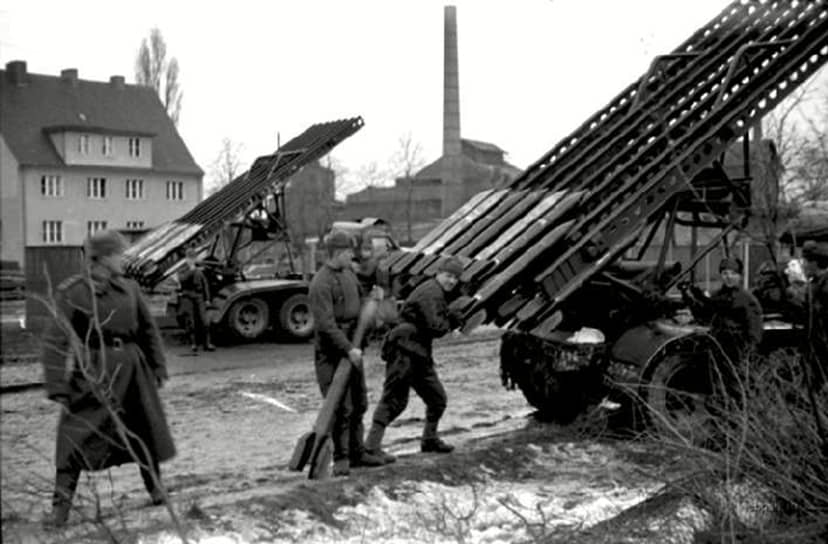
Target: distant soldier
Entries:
(335, 303)
(734, 314)
(104, 326)
(769, 289)
(815, 267)
(195, 295)
(407, 351)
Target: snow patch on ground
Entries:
(415, 512)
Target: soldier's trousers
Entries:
(348, 431)
(195, 320)
(406, 371)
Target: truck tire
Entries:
(249, 318)
(677, 399)
(295, 317)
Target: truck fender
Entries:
(637, 351)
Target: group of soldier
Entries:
(736, 314)
(336, 295)
(112, 414)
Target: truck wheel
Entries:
(677, 396)
(295, 317)
(249, 318)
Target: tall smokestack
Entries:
(451, 85)
(451, 170)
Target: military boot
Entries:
(341, 467)
(66, 481)
(373, 444)
(431, 443)
(208, 345)
(58, 517)
(366, 459)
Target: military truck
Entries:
(230, 230)
(557, 256)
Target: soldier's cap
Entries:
(338, 240)
(452, 265)
(104, 243)
(731, 263)
(813, 250)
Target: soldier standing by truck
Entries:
(335, 303)
(407, 350)
(195, 293)
(734, 314)
(103, 324)
(815, 267)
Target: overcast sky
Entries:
(530, 70)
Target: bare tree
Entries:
(405, 162)
(794, 171)
(154, 70)
(226, 166)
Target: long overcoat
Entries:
(118, 367)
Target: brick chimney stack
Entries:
(69, 75)
(451, 85)
(16, 73)
(451, 161)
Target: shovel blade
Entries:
(320, 461)
(302, 451)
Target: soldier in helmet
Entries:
(195, 294)
(335, 304)
(104, 327)
(407, 350)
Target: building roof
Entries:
(482, 146)
(472, 170)
(48, 103)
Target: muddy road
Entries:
(510, 476)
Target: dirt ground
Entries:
(510, 479)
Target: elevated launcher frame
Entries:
(533, 243)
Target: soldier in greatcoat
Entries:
(407, 351)
(335, 301)
(103, 328)
(195, 294)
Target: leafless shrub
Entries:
(762, 470)
(443, 517)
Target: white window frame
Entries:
(83, 144)
(134, 225)
(175, 190)
(106, 146)
(96, 188)
(94, 226)
(51, 186)
(135, 147)
(134, 189)
(52, 232)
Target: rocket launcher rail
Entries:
(152, 257)
(618, 171)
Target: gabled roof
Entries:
(48, 103)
